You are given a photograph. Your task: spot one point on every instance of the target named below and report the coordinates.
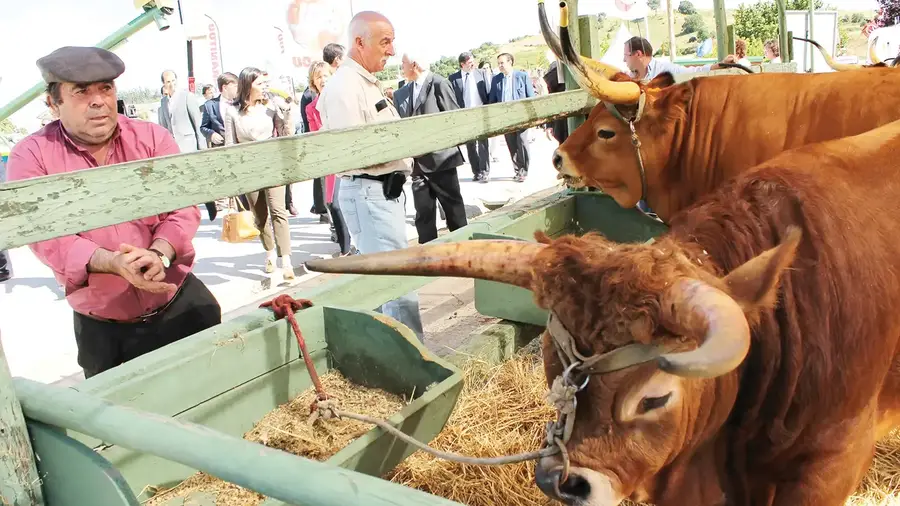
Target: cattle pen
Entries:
(158, 419)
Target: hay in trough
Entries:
(286, 429)
(502, 411)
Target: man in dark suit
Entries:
(434, 175)
(472, 90)
(508, 85)
(212, 124)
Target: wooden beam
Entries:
(670, 20)
(573, 121)
(19, 482)
(730, 39)
(271, 472)
(811, 35)
(588, 28)
(721, 26)
(785, 39)
(53, 206)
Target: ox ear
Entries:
(754, 284)
(663, 80)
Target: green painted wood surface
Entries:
(19, 483)
(596, 212)
(72, 473)
(276, 474)
(730, 39)
(64, 204)
(496, 342)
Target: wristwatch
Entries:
(165, 259)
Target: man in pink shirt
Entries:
(130, 285)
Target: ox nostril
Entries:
(575, 487)
(557, 160)
(547, 481)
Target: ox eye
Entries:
(650, 403)
(606, 134)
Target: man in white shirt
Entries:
(371, 198)
(640, 61)
(473, 89)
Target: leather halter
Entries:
(564, 388)
(635, 141)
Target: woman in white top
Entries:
(258, 115)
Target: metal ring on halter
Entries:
(568, 380)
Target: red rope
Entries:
(284, 306)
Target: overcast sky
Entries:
(248, 34)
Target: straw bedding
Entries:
(286, 429)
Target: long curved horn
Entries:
(552, 40)
(873, 55)
(697, 305)
(550, 36)
(504, 261)
(829, 60)
(591, 75)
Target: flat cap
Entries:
(76, 64)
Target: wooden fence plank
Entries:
(19, 483)
(59, 205)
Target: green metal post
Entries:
(110, 43)
(19, 483)
(721, 26)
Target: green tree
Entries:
(446, 65)
(694, 23)
(759, 22)
(390, 73)
(686, 8)
(653, 4)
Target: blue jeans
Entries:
(377, 224)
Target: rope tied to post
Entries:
(284, 306)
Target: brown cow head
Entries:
(600, 153)
(645, 416)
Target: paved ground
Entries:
(36, 321)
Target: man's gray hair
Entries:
(415, 57)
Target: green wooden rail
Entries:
(52, 206)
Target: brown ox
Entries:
(775, 300)
(697, 134)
